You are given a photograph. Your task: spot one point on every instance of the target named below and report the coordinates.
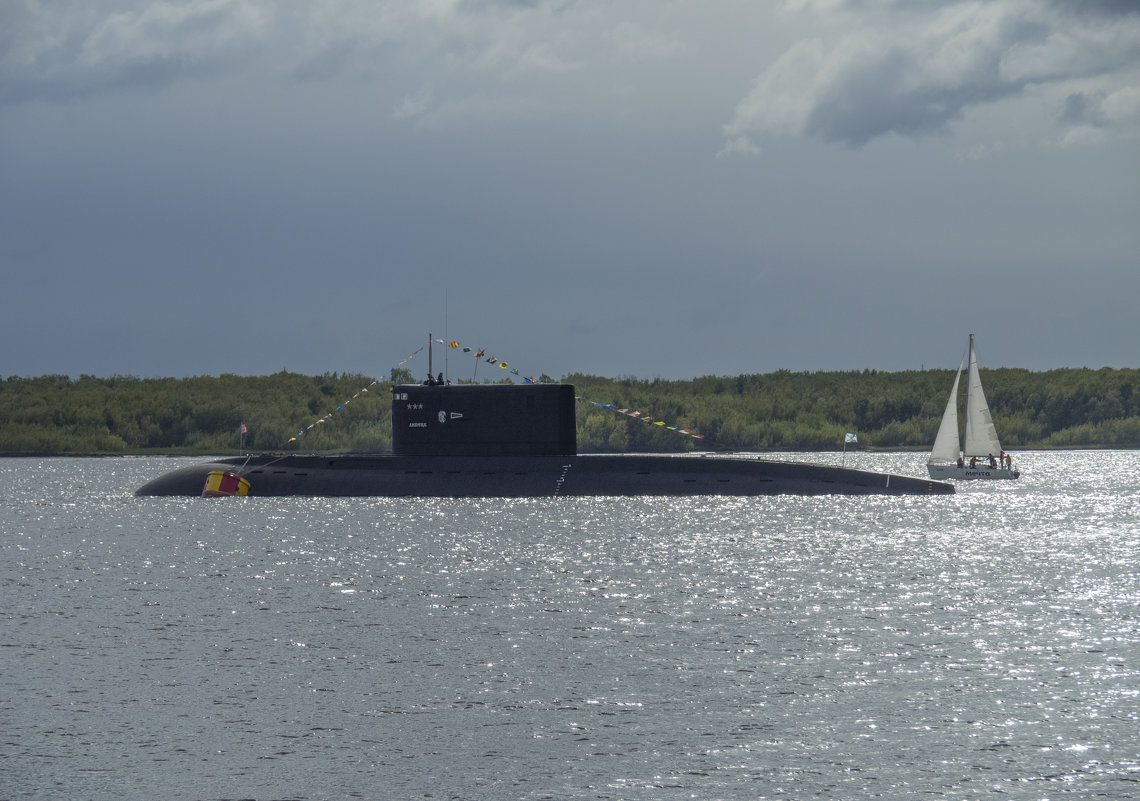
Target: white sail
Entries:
(981, 436)
(946, 442)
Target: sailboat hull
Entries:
(947, 472)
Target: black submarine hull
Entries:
(536, 476)
(514, 441)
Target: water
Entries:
(985, 644)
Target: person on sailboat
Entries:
(961, 461)
(973, 461)
(993, 461)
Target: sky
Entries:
(646, 188)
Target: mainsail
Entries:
(946, 442)
(981, 436)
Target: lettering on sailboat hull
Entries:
(944, 472)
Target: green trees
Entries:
(812, 411)
(53, 414)
(755, 412)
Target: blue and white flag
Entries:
(849, 438)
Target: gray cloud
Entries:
(505, 56)
(64, 50)
(913, 70)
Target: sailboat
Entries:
(982, 455)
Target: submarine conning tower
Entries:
(483, 420)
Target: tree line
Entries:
(780, 411)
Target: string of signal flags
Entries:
(480, 356)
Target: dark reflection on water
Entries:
(984, 644)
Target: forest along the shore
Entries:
(780, 411)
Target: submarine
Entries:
(512, 441)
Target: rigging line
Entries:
(478, 355)
(341, 408)
(245, 464)
(375, 381)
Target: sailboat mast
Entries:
(971, 372)
(430, 373)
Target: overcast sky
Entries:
(637, 188)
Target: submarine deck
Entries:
(537, 476)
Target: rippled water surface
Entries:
(985, 644)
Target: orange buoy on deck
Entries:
(223, 484)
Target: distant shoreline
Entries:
(1067, 409)
(230, 454)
